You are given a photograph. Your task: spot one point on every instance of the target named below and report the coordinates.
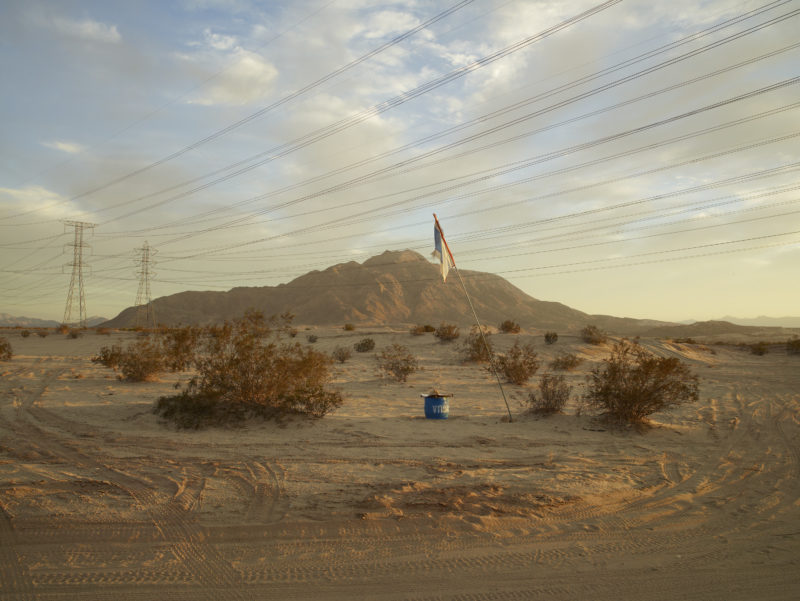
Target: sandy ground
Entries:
(101, 501)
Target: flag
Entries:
(441, 251)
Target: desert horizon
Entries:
(100, 497)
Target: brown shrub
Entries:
(593, 335)
(519, 364)
(550, 337)
(477, 348)
(552, 396)
(397, 362)
(793, 346)
(509, 327)
(6, 352)
(566, 361)
(447, 332)
(632, 384)
(341, 354)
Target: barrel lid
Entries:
(436, 393)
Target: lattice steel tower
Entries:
(145, 313)
(77, 272)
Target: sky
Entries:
(629, 158)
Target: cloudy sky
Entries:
(630, 157)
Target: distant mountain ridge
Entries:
(12, 321)
(764, 321)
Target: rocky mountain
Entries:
(396, 287)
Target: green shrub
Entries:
(793, 346)
(519, 364)
(566, 361)
(509, 327)
(364, 345)
(447, 332)
(245, 370)
(550, 337)
(341, 354)
(397, 362)
(6, 352)
(349, 327)
(477, 348)
(593, 335)
(759, 348)
(25, 333)
(552, 396)
(632, 384)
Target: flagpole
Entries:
(475, 315)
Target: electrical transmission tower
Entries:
(77, 272)
(145, 314)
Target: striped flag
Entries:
(441, 250)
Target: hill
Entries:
(393, 287)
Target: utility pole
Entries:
(145, 313)
(77, 272)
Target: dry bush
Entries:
(429, 328)
(62, 329)
(509, 327)
(109, 356)
(341, 354)
(593, 335)
(179, 346)
(519, 364)
(349, 327)
(550, 337)
(396, 361)
(6, 352)
(793, 346)
(417, 330)
(759, 348)
(103, 331)
(477, 348)
(364, 345)
(566, 361)
(246, 370)
(141, 361)
(74, 334)
(632, 384)
(552, 396)
(312, 338)
(447, 332)
(42, 333)
(25, 333)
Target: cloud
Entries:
(64, 146)
(88, 30)
(247, 80)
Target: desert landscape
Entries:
(100, 499)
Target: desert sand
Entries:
(102, 501)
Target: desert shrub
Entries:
(62, 329)
(550, 337)
(109, 356)
(552, 396)
(103, 331)
(417, 331)
(292, 332)
(364, 345)
(42, 333)
(349, 327)
(793, 346)
(341, 354)
(566, 361)
(477, 348)
(179, 346)
(244, 370)
(141, 361)
(632, 384)
(397, 362)
(429, 328)
(684, 340)
(446, 332)
(73, 334)
(759, 348)
(509, 327)
(312, 338)
(593, 335)
(25, 333)
(519, 364)
(6, 352)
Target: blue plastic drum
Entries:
(436, 407)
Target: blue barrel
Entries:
(436, 407)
